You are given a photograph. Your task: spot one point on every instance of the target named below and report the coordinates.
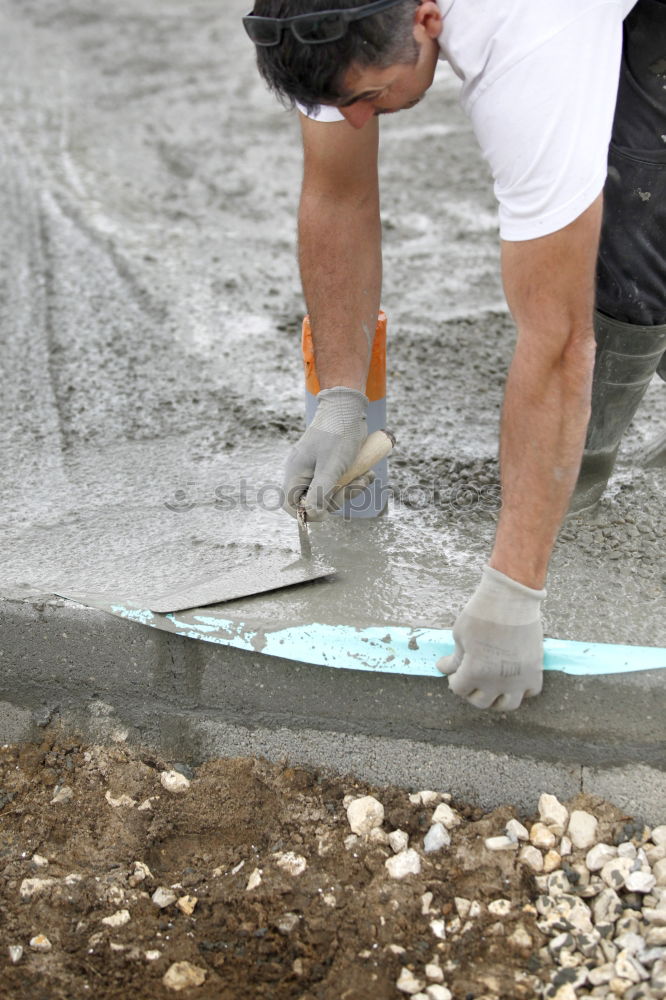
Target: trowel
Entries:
(261, 571)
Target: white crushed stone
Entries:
(163, 897)
(501, 843)
(174, 782)
(408, 983)
(117, 919)
(515, 830)
(183, 976)
(582, 829)
(365, 814)
(553, 813)
(445, 815)
(293, 864)
(398, 841)
(436, 838)
(406, 863)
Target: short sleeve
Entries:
(544, 125)
(324, 113)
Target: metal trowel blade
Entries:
(256, 574)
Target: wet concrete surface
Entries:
(150, 316)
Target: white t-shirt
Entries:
(539, 83)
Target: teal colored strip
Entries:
(390, 649)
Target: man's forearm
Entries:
(549, 284)
(340, 261)
(544, 419)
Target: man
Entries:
(539, 82)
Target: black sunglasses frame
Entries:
(281, 24)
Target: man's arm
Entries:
(340, 260)
(549, 285)
(340, 247)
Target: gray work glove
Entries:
(498, 658)
(325, 452)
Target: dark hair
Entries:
(312, 74)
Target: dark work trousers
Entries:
(631, 268)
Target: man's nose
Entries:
(358, 114)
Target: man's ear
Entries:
(427, 21)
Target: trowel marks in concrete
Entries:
(150, 324)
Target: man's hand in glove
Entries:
(325, 452)
(498, 659)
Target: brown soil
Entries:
(235, 817)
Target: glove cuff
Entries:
(502, 580)
(343, 393)
(339, 409)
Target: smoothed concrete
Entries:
(114, 680)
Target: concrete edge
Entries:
(110, 680)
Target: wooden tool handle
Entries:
(376, 446)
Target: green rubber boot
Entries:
(627, 358)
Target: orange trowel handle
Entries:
(376, 446)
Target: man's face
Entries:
(385, 91)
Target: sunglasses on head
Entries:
(311, 29)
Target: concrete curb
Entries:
(111, 679)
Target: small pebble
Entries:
(438, 927)
(117, 919)
(163, 897)
(659, 872)
(582, 829)
(516, 831)
(553, 813)
(176, 783)
(408, 983)
(541, 836)
(436, 838)
(551, 861)
(500, 907)
(532, 857)
(287, 922)
(640, 882)
(254, 880)
(187, 905)
(520, 938)
(434, 972)
(445, 815)
(406, 863)
(398, 840)
(139, 874)
(501, 844)
(364, 814)
(15, 953)
(152, 955)
(183, 975)
(39, 861)
(615, 872)
(599, 855)
(437, 992)
(40, 943)
(293, 864)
